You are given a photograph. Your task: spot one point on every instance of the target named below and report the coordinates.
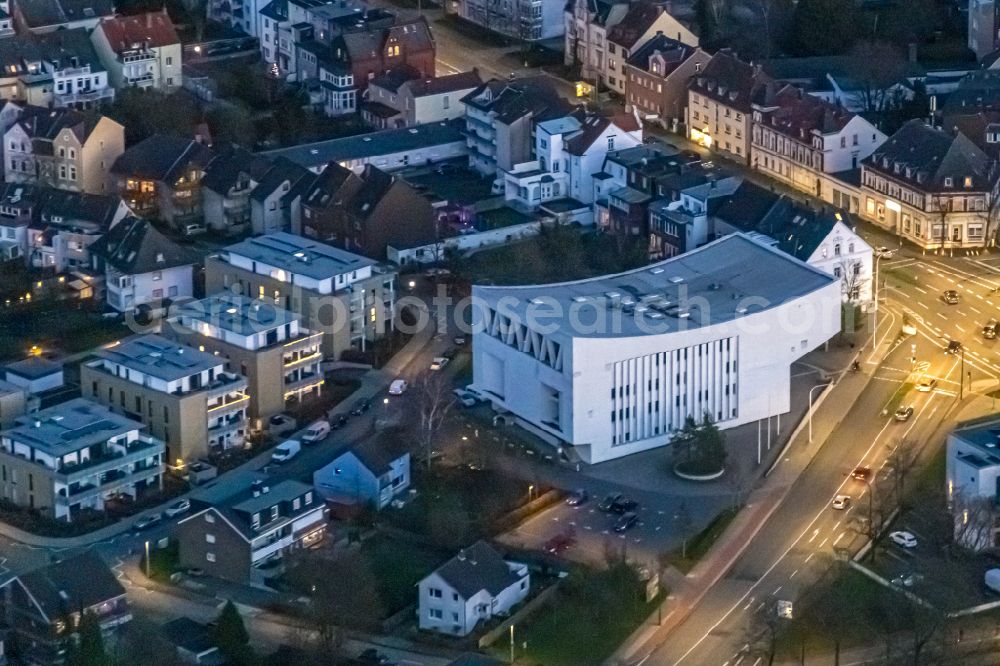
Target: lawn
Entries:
(162, 561)
(54, 325)
(685, 559)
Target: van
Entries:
(194, 229)
(992, 579)
(315, 432)
(286, 451)
(397, 387)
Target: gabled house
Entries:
(680, 221)
(245, 537)
(373, 472)
(931, 187)
(586, 31)
(229, 179)
(656, 79)
(142, 266)
(642, 22)
(161, 176)
(44, 606)
(472, 587)
(45, 16)
(141, 51)
(64, 149)
(402, 98)
(65, 224)
(275, 203)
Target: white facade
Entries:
(712, 333)
(972, 475)
(349, 479)
(845, 255)
(441, 608)
(586, 36)
(125, 292)
(529, 20)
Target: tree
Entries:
(850, 279)
(348, 596)
(877, 68)
(738, 482)
(231, 636)
(89, 648)
(684, 525)
(701, 447)
(823, 27)
(760, 636)
(772, 14)
(435, 400)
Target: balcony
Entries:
(305, 381)
(86, 96)
(299, 359)
(112, 482)
(137, 56)
(229, 402)
(136, 451)
(141, 81)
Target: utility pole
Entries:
(961, 378)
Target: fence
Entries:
(527, 610)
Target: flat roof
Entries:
(70, 426)
(34, 367)
(160, 357)
(301, 256)
(984, 435)
(237, 313)
(726, 279)
(386, 142)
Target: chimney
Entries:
(461, 555)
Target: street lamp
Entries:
(811, 408)
(147, 559)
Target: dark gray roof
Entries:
(76, 207)
(747, 206)
(282, 170)
(226, 165)
(194, 637)
(395, 78)
(42, 13)
(161, 157)
(673, 52)
(133, 246)
(442, 84)
(33, 367)
(533, 96)
(58, 47)
(78, 582)
(379, 452)
(155, 356)
(478, 567)
(239, 508)
(730, 81)
(299, 255)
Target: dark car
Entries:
(578, 497)
(372, 657)
(954, 347)
(626, 522)
(338, 422)
(361, 407)
(950, 297)
(147, 523)
(449, 354)
(623, 506)
(608, 502)
(904, 413)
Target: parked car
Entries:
(281, 424)
(623, 505)
(578, 497)
(609, 501)
(147, 522)
(286, 451)
(361, 408)
(884, 252)
(626, 522)
(397, 387)
(841, 502)
(990, 329)
(439, 362)
(338, 422)
(904, 539)
(927, 384)
(316, 432)
(951, 297)
(992, 579)
(862, 473)
(904, 412)
(954, 347)
(459, 340)
(177, 508)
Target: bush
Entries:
(699, 449)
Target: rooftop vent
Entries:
(677, 279)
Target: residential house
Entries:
(373, 472)
(720, 104)
(160, 177)
(972, 479)
(342, 295)
(500, 115)
(142, 266)
(397, 99)
(984, 27)
(58, 69)
(194, 642)
(366, 212)
(260, 341)
(681, 221)
(229, 178)
(807, 143)
(45, 16)
(244, 538)
(524, 20)
(388, 150)
(36, 374)
(275, 203)
(585, 32)
(656, 79)
(140, 51)
(472, 587)
(45, 605)
(642, 22)
(6, 19)
(974, 110)
(931, 187)
(824, 238)
(185, 396)
(64, 149)
(76, 456)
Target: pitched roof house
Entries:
(143, 50)
(403, 98)
(656, 78)
(641, 22)
(373, 472)
(43, 16)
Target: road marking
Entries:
(923, 305)
(824, 542)
(810, 557)
(960, 328)
(941, 315)
(776, 590)
(749, 603)
(793, 574)
(815, 534)
(922, 291)
(839, 537)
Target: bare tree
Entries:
(738, 481)
(436, 401)
(973, 518)
(850, 278)
(878, 68)
(901, 462)
(760, 636)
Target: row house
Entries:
(185, 396)
(500, 116)
(804, 142)
(523, 20)
(585, 34)
(71, 459)
(229, 179)
(642, 22)
(64, 149)
(57, 69)
(680, 220)
(41, 17)
(934, 188)
(720, 104)
(656, 79)
(141, 51)
(275, 202)
(403, 98)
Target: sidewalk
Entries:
(372, 383)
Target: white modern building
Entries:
(973, 481)
(614, 365)
(474, 586)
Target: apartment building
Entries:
(525, 20)
(931, 187)
(260, 341)
(185, 396)
(57, 69)
(45, 16)
(641, 22)
(984, 27)
(228, 181)
(64, 149)
(75, 457)
(656, 79)
(720, 104)
(342, 295)
(586, 31)
(141, 51)
(802, 141)
(245, 538)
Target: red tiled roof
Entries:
(799, 113)
(123, 32)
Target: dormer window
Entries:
(895, 167)
(948, 181)
(968, 182)
(909, 172)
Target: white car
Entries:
(927, 385)
(397, 387)
(177, 508)
(438, 363)
(904, 539)
(841, 502)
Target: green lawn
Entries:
(898, 397)
(700, 543)
(54, 326)
(398, 566)
(162, 561)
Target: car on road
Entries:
(465, 398)
(884, 252)
(148, 522)
(316, 432)
(361, 408)
(397, 387)
(439, 362)
(990, 329)
(954, 347)
(927, 384)
(862, 473)
(281, 424)
(623, 505)
(609, 501)
(338, 422)
(286, 451)
(177, 508)
(950, 297)
(841, 502)
(904, 412)
(626, 522)
(578, 497)
(904, 539)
